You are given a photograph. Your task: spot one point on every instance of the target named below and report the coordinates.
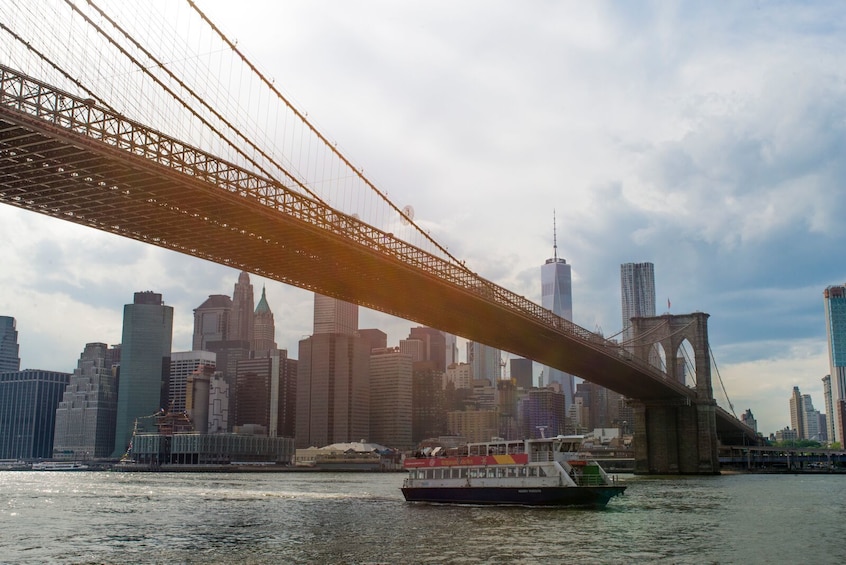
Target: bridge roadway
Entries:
(63, 157)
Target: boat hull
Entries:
(523, 496)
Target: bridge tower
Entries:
(675, 436)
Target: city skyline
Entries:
(674, 135)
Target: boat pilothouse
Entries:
(544, 472)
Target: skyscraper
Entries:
(557, 296)
(9, 360)
(797, 413)
(390, 399)
(434, 345)
(637, 288)
(264, 328)
(145, 363)
(829, 407)
(834, 299)
(86, 415)
(183, 364)
(211, 321)
(28, 402)
(333, 316)
(811, 418)
(484, 362)
(241, 322)
(749, 419)
(267, 394)
(521, 372)
(333, 390)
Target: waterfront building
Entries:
(9, 348)
(749, 419)
(543, 413)
(264, 328)
(87, 413)
(521, 372)
(485, 361)
(333, 390)
(241, 320)
(183, 364)
(391, 398)
(333, 316)
(557, 296)
(428, 402)
(211, 321)
(155, 449)
(637, 291)
(144, 364)
(834, 300)
(28, 402)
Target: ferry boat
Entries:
(533, 472)
(59, 466)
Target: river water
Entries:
(101, 517)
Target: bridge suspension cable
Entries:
(169, 66)
(320, 136)
(720, 378)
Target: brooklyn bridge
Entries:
(157, 155)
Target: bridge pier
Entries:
(676, 436)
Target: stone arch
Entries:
(686, 363)
(670, 331)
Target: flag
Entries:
(668, 304)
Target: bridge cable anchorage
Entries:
(146, 70)
(332, 147)
(720, 378)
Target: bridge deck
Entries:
(62, 157)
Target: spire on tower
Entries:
(554, 237)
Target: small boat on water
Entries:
(533, 472)
(59, 466)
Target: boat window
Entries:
(500, 472)
(473, 473)
(462, 473)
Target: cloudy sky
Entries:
(707, 138)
